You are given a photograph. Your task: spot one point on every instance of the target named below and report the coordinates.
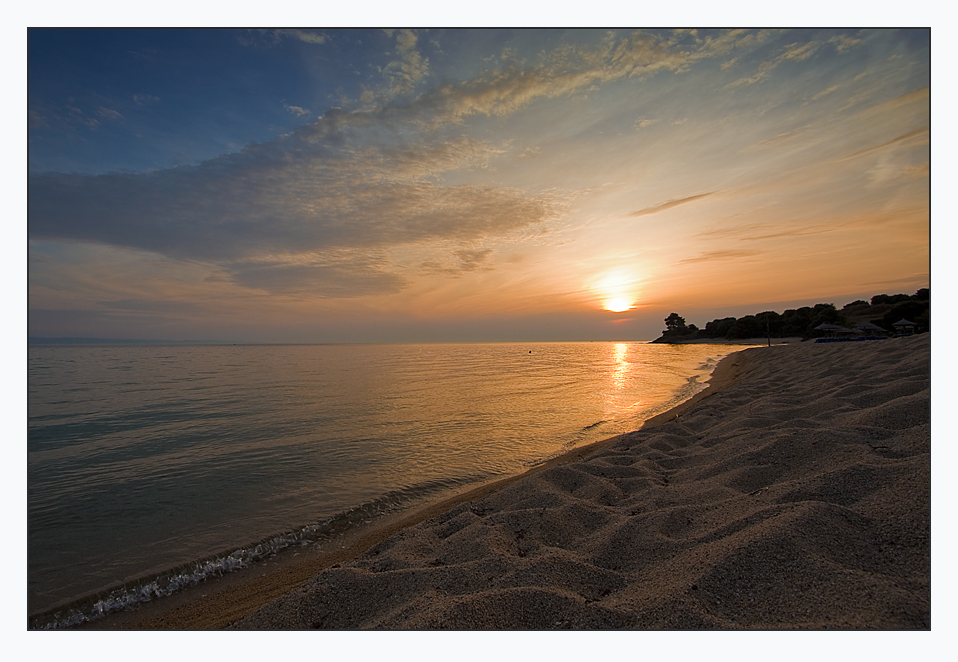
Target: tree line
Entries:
(883, 310)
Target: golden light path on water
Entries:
(619, 398)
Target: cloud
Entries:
(763, 70)
(843, 42)
(800, 51)
(917, 137)
(68, 116)
(406, 41)
(921, 96)
(318, 280)
(569, 69)
(757, 232)
(729, 254)
(670, 204)
(824, 93)
(278, 215)
(242, 210)
(267, 38)
(143, 99)
(296, 110)
(643, 123)
(108, 114)
(468, 260)
(473, 259)
(149, 306)
(305, 36)
(788, 135)
(795, 52)
(405, 73)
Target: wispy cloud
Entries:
(825, 92)
(728, 254)
(299, 111)
(463, 261)
(570, 69)
(148, 306)
(267, 38)
(788, 135)
(340, 279)
(756, 232)
(671, 204)
(108, 114)
(844, 42)
(793, 52)
(919, 136)
(307, 36)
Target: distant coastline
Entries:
(881, 316)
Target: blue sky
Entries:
(378, 185)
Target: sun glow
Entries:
(618, 305)
(616, 290)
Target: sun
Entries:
(618, 304)
(616, 291)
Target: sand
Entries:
(794, 493)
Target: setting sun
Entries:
(617, 290)
(618, 305)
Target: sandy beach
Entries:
(793, 493)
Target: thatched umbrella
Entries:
(868, 327)
(832, 328)
(904, 326)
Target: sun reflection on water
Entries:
(620, 352)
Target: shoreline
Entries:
(793, 492)
(221, 601)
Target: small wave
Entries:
(167, 583)
(593, 426)
(189, 575)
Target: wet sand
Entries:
(793, 493)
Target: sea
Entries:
(152, 468)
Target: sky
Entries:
(331, 185)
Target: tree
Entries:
(909, 310)
(889, 298)
(719, 328)
(826, 312)
(675, 325)
(747, 327)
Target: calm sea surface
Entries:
(156, 466)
